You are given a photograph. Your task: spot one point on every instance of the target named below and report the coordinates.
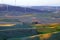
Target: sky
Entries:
(31, 2)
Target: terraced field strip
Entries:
(17, 29)
(41, 36)
(28, 15)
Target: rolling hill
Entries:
(18, 10)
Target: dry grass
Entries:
(45, 36)
(5, 25)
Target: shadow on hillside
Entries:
(55, 36)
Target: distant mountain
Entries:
(17, 10)
(49, 8)
(4, 7)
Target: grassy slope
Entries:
(47, 28)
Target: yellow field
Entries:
(46, 36)
(51, 25)
(4, 25)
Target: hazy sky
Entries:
(31, 2)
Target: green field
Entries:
(47, 28)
